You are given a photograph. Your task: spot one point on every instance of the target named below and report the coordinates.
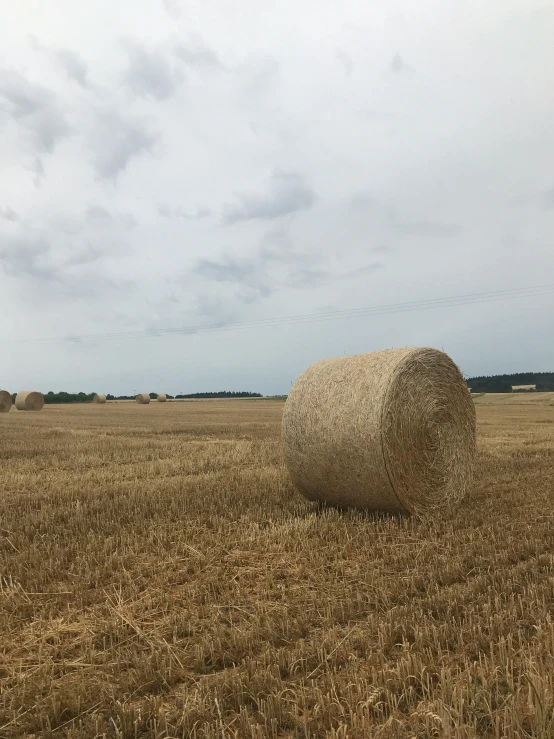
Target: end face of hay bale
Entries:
(162, 397)
(29, 400)
(5, 401)
(387, 431)
(143, 398)
(99, 398)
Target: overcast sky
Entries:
(170, 164)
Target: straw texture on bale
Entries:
(99, 398)
(388, 431)
(29, 400)
(5, 401)
(162, 397)
(143, 398)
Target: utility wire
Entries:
(377, 310)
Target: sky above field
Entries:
(169, 165)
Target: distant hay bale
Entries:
(523, 388)
(143, 398)
(5, 401)
(99, 398)
(29, 400)
(162, 397)
(389, 431)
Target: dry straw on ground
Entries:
(99, 398)
(162, 397)
(163, 578)
(5, 401)
(29, 400)
(390, 431)
(143, 398)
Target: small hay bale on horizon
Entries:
(390, 431)
(99, 398)
(29, 400)
(162, 397)
(143, 398)
(5, 401)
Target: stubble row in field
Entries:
(160, 577)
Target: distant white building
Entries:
(523, 388)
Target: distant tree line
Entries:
(222, 394)
(503, 383)
(63, 397)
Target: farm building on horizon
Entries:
(523, 388)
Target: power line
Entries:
(385, 309)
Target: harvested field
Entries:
(540, 399)
(160, 577)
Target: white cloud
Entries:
(175, 165)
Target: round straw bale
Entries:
(388, 431)
(162, 397)
(5, 401)
(143, 398)
(29, 400)
(99, 398)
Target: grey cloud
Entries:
(398, 65)
(85, 256)
(172, 8)
(197, 55)
(115, 141)
(511, 242)
(365, 269)
(361, 202)
(98, 213)
(287, 193)
(229, 269)
(257, 77)
(35, 108)
(36, 166)
(166, 211)
(345, 61)
(431, 230)
(421, 228)
(72, 339)
(301, 276)
(149, 73)
(74, 65)
(100, 216)
(214, 307)
(25, 258)
(428, 229)
(370, 114)
(274, 264)
(97, 220)
(549, 198)
(259, 273)
(91, 285)
(8, 214)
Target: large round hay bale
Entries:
(162, 397)
(29, 400)
(389, 431)
(5, 401)
(99, 398)
(143, 398)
